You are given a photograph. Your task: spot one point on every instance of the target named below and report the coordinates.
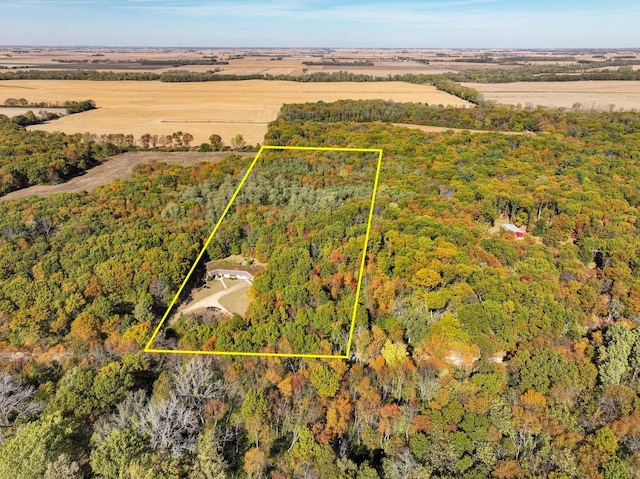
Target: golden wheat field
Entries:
(589, 94)
(226, 107)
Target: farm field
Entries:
(13, 111)
(590, 94)
(273, 61)
(293, 66)
(226, 107)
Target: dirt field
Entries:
(226, 108)
(13, 111)
(590, 94)
(236, 301)
(228, 295)
(114, 168)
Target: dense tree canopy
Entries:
(34, 157)
(474, 354)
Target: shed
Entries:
(518, 233)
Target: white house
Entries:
(230, 273)
(219, 269)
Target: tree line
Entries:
(30, 158)
(30, 118)
(616, 69)
(573, 122)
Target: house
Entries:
(230, 273)
(218, 269)
(518, 233)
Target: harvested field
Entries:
(116, 167)
(13, 111)
(295, 66)
(589, 94)
(226, 107)
(246, 61)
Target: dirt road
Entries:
(116, 167)
(440, 129)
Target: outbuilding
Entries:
(518, 233)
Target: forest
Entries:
(29, 158)
(34, 157)
(483, 117)
(306, 215)
(475, 354)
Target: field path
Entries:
(441, 129)
(117, 167)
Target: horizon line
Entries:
(317, 47)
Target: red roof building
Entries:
(518, 233)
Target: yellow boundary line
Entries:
(149, 349)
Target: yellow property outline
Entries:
(149, 349)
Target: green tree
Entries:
(325, 380)
(111, 384)
(74, 394)
(541, 368)
(28, 454)
(116, 453)
(238, 142)
(615, 353)
(394, 353)
(617, 468)
(216, 142)
(365, 471)
(254, 413)
(143, 311)
(208, 463)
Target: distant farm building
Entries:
(230, 271)
(518, 233)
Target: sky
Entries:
(334, 24)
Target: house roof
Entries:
(220, 267)
(230, 272)
(512, 227)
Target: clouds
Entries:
(407, 23)
(362, 12)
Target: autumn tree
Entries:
(216, 142)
